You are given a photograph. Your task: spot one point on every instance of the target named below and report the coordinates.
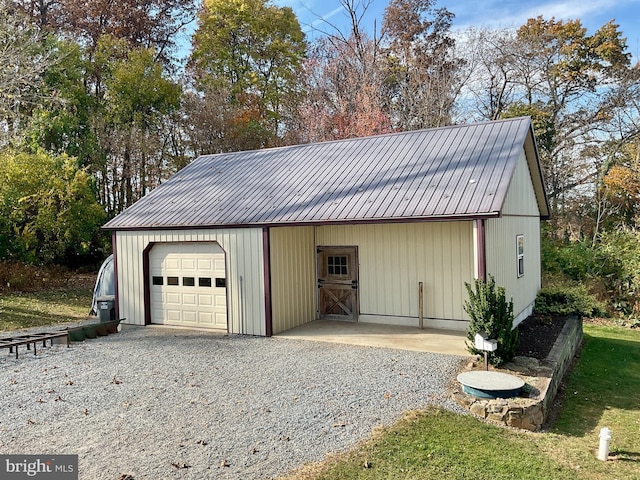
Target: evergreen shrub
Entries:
(490, 312)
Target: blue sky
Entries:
(491, 13)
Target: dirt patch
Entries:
(537, 335)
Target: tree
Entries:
(41, 12)
(563, 73)
(48, 209)
(142, 23)
(24, 57)
(251, 50)
(577, 89)
(343, 81)
(344, 97)
(490, 71)
(404, 77)
(621, 184)
(137, 98)
(61, 121)
(422, 71)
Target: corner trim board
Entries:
(114, 243)
(147, 288)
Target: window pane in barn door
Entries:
(337, 265)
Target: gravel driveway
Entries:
(156, 403)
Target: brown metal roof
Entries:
(449, 172)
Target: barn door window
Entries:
(520, 254)
(337, 265)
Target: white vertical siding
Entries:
(244, 260)
(521, 198)
(394, 258)
(520, 217)
(293, 278)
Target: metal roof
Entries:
(449, 172)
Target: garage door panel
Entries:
(205, 300)
(221, 320)
(184, 291)
(173, 298)
(189, 299)
(171, 264)
(187, 264)
(221, 300)
(205, 264)
(219, 265)
(189, 316)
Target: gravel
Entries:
(157, 403)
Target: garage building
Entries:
(260, 242)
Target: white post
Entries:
(605, 438)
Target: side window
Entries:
(520, 254)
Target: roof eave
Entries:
(317, 223)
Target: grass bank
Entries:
(602, 390)
(50, 307)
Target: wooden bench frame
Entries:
(32, 339)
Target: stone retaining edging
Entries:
(542, 380)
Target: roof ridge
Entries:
(380, 135)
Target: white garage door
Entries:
(188, 285)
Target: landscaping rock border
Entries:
(542, 380)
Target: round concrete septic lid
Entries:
(496, 381)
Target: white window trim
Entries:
(519, 255)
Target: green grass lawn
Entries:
(603, 390)
(49, 307)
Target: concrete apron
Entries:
(384, 336)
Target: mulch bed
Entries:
(537, 335)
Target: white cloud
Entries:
(496, 13)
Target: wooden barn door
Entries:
(338, 283)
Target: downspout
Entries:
(315, 270)
(266, 254)
(480, 248)
(241, 307)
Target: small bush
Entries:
(577, 261)
(568, 300)
(490, 312)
